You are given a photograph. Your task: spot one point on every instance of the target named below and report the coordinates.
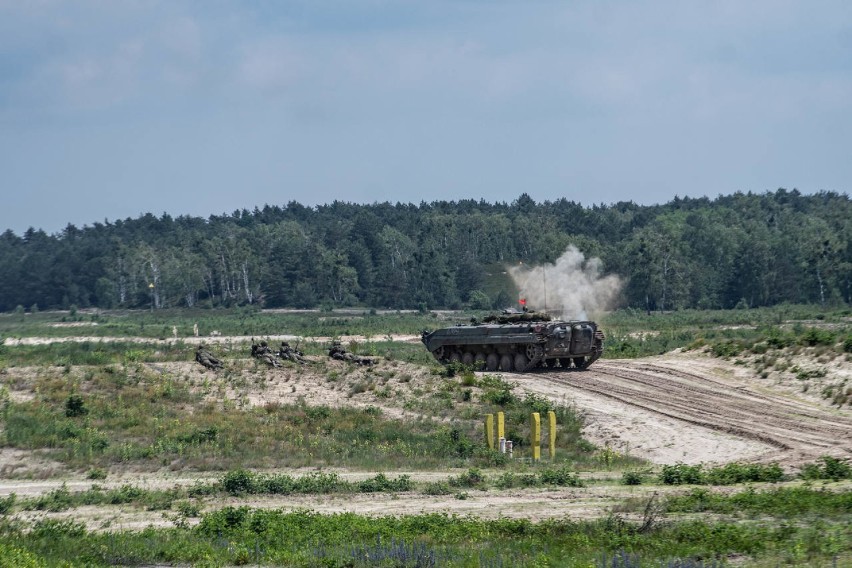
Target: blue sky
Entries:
(110, 109)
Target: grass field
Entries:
(104, 411)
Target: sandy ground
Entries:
(691, 408)
(532, 504)
(680, 407)
(212, 339)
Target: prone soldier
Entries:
(336, 351)
(205, 358)
(290, 354)
(264, 353)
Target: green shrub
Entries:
(631, 478)
(729, 474)
(380, 483)
(188, 508)
(54, 529)
(727, 349)
(733, 473)
(830, 468)
(537, 403)
(471, 478)
(682, 474)
(509, 480)
(96, 473)
(126, 494)
(813, 336)
(501, 396)
(238, 482)
(776, 339)
(319, 482)
(437, 488)
(561, 476)
(59, 499)
(75, 406)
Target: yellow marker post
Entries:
(535, 435)
(489, 430)
(551, 426)
(501, 426)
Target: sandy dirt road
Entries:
(693, 409)
(213, 339)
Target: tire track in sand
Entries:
(788, 430)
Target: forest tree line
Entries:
(739, 250)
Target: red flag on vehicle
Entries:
(522, 301)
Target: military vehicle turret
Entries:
(518, 341)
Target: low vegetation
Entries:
(240, 535)
(102, 409)
(728, 474)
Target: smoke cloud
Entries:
(571, 288)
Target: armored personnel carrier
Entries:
(518, 341)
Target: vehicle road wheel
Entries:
(492, 361)
(467, 358)
(506, 363)
(455, 357)
(479, 360)
(521, 362)
(580, 362)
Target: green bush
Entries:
(682, 474)
(537, 403)
(727, 349)
(437, 488)
(238, 482)
(501, 396)
(509, 480)
(830, 468)
(733, 473)
(813, 336)
(242, 482)
(96, 473)
(75, 406)
(631, 478)
(561, 476)
(380, 483)
(776, 339)
(729, 474)
(59, 499)
(471, 478)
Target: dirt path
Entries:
(694, 410)
(213, 339)
(532, 504)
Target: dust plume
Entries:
(571, 288)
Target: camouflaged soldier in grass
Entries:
(290, 354)
(336, 351)
(205, 358)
